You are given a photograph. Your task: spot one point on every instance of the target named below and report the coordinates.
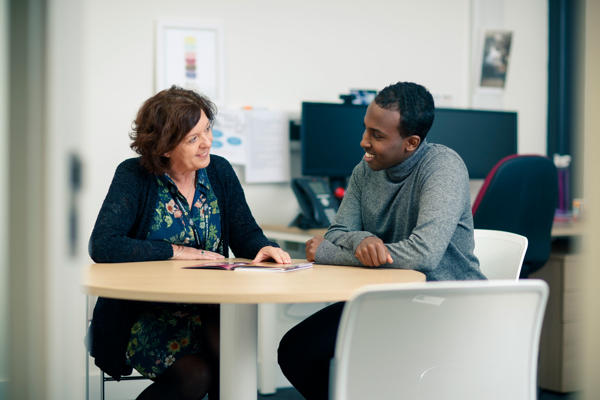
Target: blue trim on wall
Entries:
(562, 56)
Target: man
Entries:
(407, 205)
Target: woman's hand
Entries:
(191, 253)
(275, 253)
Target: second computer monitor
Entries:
(481, 138)
(330, 137)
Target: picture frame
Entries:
(190, 54)
(495, 58)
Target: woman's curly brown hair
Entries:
(162, 123)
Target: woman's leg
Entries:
(173, 344)
(187, 379)
(306, 350)
(211, 335)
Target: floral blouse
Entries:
(176, 223)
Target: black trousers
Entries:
(306, 350)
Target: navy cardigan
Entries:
(119, 236)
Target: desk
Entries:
(239, 292)
(297, 235)
(290, 233)
(567, 229)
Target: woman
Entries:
(178, 202)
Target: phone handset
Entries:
(316, 202)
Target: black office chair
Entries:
(90, 302)
(520, 195)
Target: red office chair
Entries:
(519, 195)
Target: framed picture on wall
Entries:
(190, 54)
(494, 62)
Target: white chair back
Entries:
(500, 253)
(467, 340)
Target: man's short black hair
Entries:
(414, 103)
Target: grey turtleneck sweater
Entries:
(421, 210)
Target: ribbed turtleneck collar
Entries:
(399, 172)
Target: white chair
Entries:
(467, 340)
(500, 253)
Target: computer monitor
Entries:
(481, 138)
(330, 136)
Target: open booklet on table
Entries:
(248, 266)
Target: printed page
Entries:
(229, 135)
(268, 147)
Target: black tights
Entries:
(192, 376)
(189, 378)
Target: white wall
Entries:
(526, 77)
(279, 53)
(527, 81)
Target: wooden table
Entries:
(239, 292)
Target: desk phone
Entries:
(316, 202)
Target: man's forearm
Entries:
(347, 240)
(329, 253)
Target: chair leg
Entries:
(87, 377)
(101, 385)
(87, 357)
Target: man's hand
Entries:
(311, 247)
(371, 251)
